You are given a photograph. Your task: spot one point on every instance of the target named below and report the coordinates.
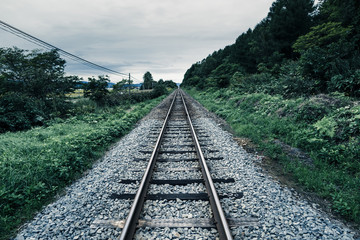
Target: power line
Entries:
(17, 32)
(135, 79)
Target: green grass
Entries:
(326, 127)
(37, 164)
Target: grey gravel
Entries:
(282, 213)
(162, 209)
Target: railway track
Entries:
(177, 204)
(176, 145)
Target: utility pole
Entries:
(129, 83)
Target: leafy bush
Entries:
(316, 107)
(117, 98)
(83, 106)
(348, 121)
(159, 89)
(291, 83)
(310, 112)
(256, 83)
(19, 112)
(329, 66)
(32, 88)
(326, 127)
(96, 89)
(348, 84)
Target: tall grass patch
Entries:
(326, 127)
(36, 164)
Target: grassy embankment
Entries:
(325, 127)
(37, 164)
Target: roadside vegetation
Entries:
(34, 90)
(53, 127)
(293, 81)
(326, 127)
(38, 163)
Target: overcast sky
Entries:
(132, 36)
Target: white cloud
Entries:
(161, 36)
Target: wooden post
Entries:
(129, 83)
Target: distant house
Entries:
(133, 86)
(82, 83)
(111, 85)
(137, 86)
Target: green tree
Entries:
(321, 36)
(207, 66)
(330, 58)
(159, 88)
(289, 19)
(261, 44)
(38, 74)
(19, 111)
(240, 52)
(148, 81)
(191, 77)
(170, 84)
(345, 11)
(96, 89)
(32, 87)
(121, 86)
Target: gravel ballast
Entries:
(281, 212)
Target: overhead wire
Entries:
(12, 32)
(135, 79)
(19, 33)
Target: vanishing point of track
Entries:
(180, 119)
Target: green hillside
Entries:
(294, 81)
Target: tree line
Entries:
(298, 49)
(34, 89)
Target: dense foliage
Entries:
(37, 164)
(122, 92)
(318, 44)
(96, 89)
(159, 86)
(148, 81)
(33, 88)
(295, 78)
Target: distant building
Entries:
(133, 86)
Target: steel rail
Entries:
(133, 216)
(219, 216)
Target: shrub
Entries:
(316, 107)
(96, 89)
(326, 127)
(310, 112)
(291, 83)
(348, 84)
(256, 83)
(20, 112)
(116, 98)
(159, 89)
(83, 106)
